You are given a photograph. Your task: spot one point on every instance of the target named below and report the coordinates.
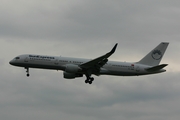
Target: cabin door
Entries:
(26, 59)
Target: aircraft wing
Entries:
(98, 62)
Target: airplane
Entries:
(77, 67)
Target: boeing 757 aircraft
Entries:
(77, 67)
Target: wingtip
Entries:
(116, 45)
(114, 48)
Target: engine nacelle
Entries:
(70, 68)
(71, 75)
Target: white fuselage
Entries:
(59, 63)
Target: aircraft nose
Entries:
(11, 62)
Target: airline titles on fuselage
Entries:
(49, 58)
(39, 57)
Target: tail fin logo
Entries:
(156, 54)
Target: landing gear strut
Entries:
(27, 71)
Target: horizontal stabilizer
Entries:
(156, 68)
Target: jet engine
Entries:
(70, 68)
(71, 75)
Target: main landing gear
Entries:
(89, 80)
(27, 71)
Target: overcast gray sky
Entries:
(88, 29)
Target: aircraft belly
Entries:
(117, 72)
(122, 73)
(41, 66)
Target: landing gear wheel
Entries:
(27, 75)
(86, 81)
(92, 79)
(90, 82)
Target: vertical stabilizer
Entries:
(154, 57)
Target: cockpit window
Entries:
(17, 58)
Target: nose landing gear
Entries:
(27, 71)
